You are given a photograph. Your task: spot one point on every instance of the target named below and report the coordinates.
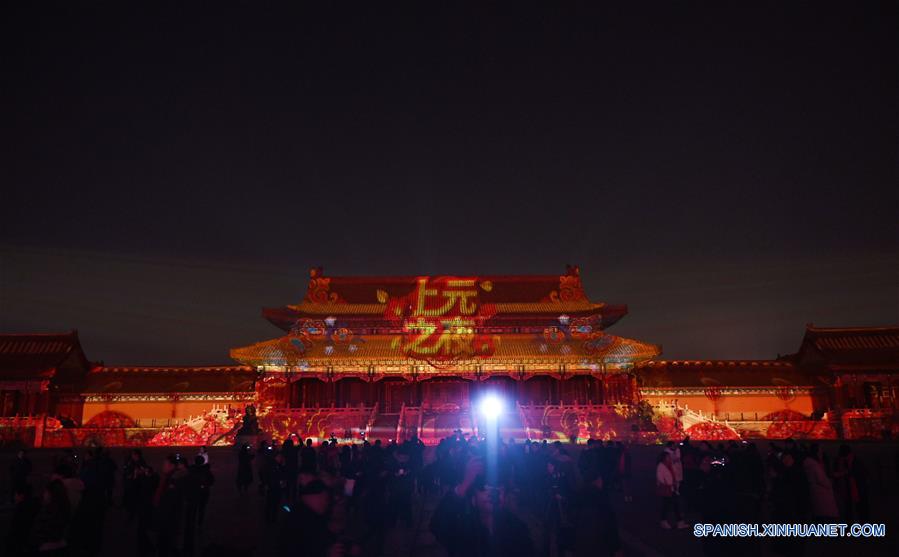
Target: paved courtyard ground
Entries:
(235, 521)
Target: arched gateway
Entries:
(400, 356)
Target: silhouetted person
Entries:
(265, 456)
(65, 472)
(789, 499)
(86, 533)
(19, 470)
(308, 459)
(666, 488)
(851, 482)
(52, 521)
(197, 485)
(275, 488)
(169, 501)
(400, 484)
(820, 489)
(308, 523)
(24, 513)
(715, 499)
(472, 520)
(130, 471)
(595, 524)
(244, 469)
(107, 469)
(555, 496)
(146, 483)
(624, 471)
(291, 467)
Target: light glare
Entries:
(491, 406)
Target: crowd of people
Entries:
(68, 517)
(734, 483)
(510, 499)
(476, 497)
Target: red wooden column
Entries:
(416, 392)
(29, 402)
(371, 390)
(519, 386)
(332, 392)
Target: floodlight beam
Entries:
(491, 406)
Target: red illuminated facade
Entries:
(392, 357)
(419, 351)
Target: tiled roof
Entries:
(511, 301)
(523, 308)
(172, 369)
(507, 314)
(492, 288)
(861, 346)
(35, 356)
(141, 379)
(511, 348)
(724, 373)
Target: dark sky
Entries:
(729, 171)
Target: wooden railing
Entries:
(672, 407)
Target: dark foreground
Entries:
(235, 523)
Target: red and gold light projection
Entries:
(577, 423)
(317, 423)
(111, 418)
(378, 322)
(800, 429)
(442, 319)
(319, 291)
(712, 431)
(216, 427)
(378, 331)
(570, 288)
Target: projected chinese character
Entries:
(441, 319)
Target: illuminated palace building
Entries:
(394, 357)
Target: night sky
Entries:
(728, 171)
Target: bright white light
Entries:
(491, 406)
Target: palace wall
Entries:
(752, 406)
(145, 411)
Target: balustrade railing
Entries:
(302, 410)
